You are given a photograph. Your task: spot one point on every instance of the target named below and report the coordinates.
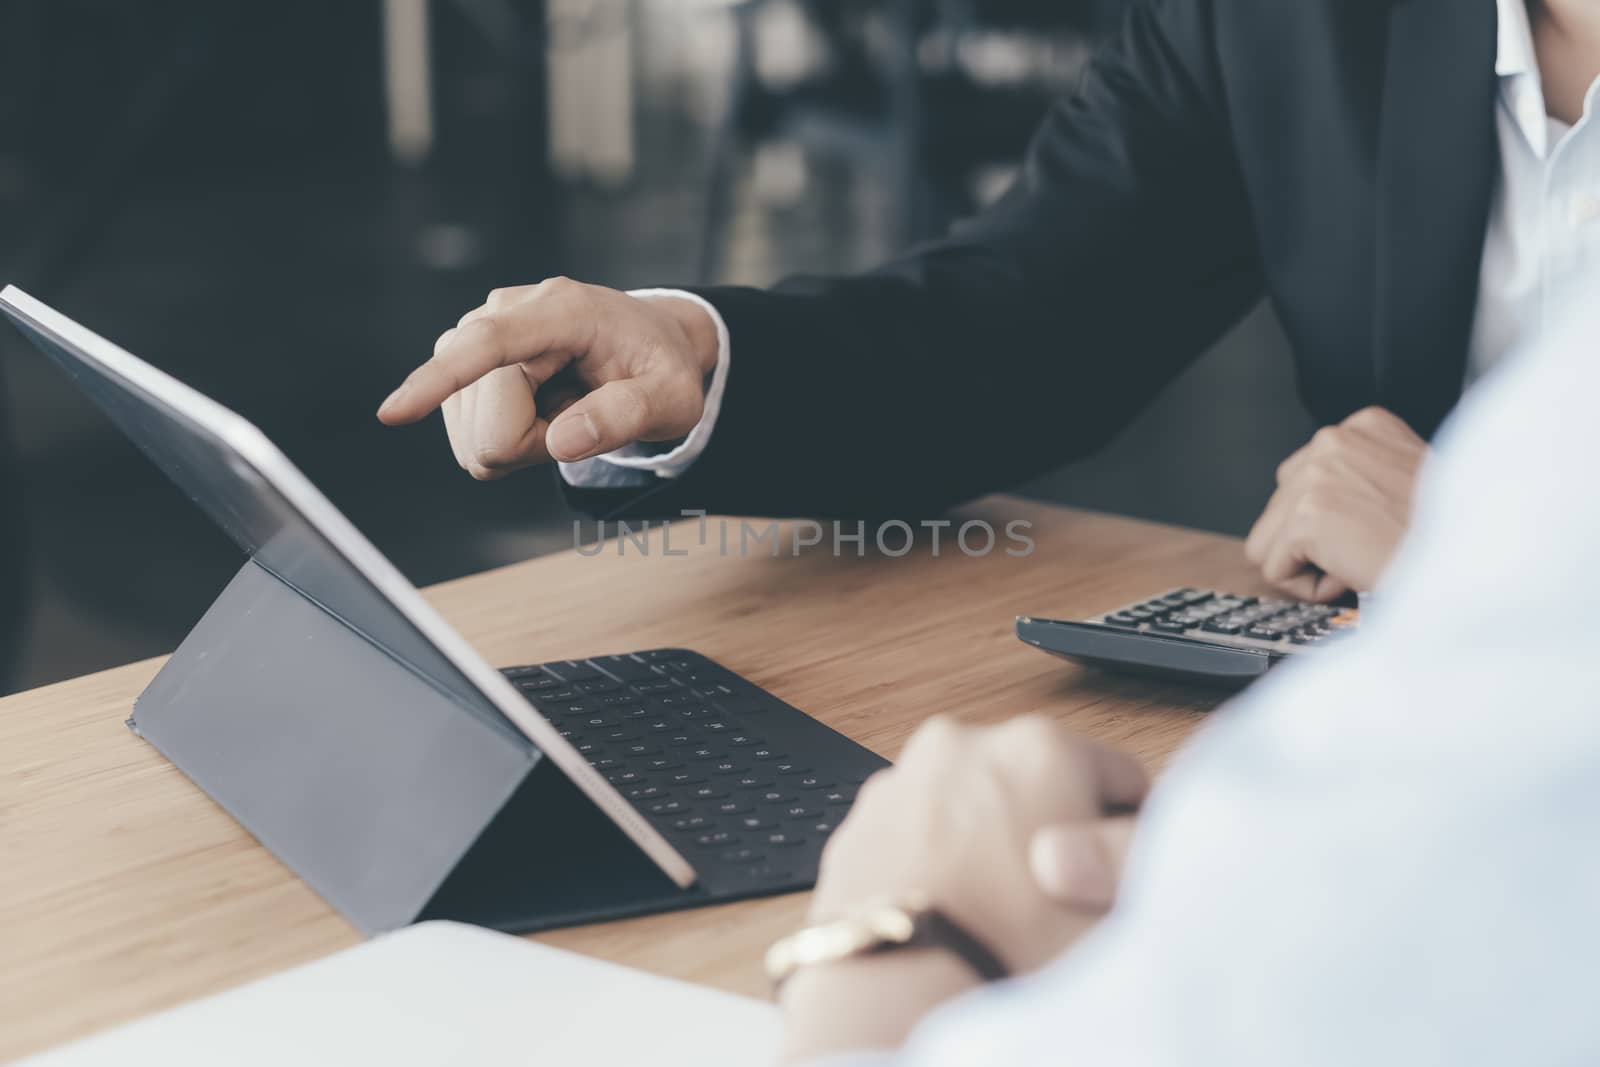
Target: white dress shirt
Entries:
(1387, 852)
(1543, 232)
(1544, 222)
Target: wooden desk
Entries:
(125, 890)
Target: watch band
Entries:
(938, 929)
(886, 926)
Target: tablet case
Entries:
(390, 800)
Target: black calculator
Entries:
(1198, 635)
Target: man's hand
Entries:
(1080, 863)
(1342, 505)
(955, 819)
(561, 370)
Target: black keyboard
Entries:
(1193, 634)
(745, 786)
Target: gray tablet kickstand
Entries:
(374, 785)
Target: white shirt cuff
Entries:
(632, 466)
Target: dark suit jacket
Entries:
(1335, 156)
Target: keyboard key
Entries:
(823, 828)
(684, 778)
(681, 700)
(522, 672)
(625, 667)
(837, 797)
(663, 763)
(574, 670)
(769, 874)
(811, 781)
(742, 855)
(639, 748)
(743, 741)
(595, 722)
(605, 685)
(800, 811)
(652, 688)
(539, 684)
(693, 714)
(776, 796)
(625, 778)
(753, 781)
(668, 807)
(1127, 621)
(753, 823)
(604, 764)
(563, 711)
(790, 768)
(783, 839)
(731, 807)
(646, 792)
(682, 740)
(708, 792)
(619, 700)
(717, 839)
(729, 767)
(740, 708)
(694, 824)
(707, 755)
(557, 696)
(767, 754)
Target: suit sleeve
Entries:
(1024, 339)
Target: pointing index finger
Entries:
(552, 319)
(473, 351)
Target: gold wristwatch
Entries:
(909, 921)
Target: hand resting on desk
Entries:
(1004, 829)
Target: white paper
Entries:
(445, 994)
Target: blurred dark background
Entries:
(284, 204)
